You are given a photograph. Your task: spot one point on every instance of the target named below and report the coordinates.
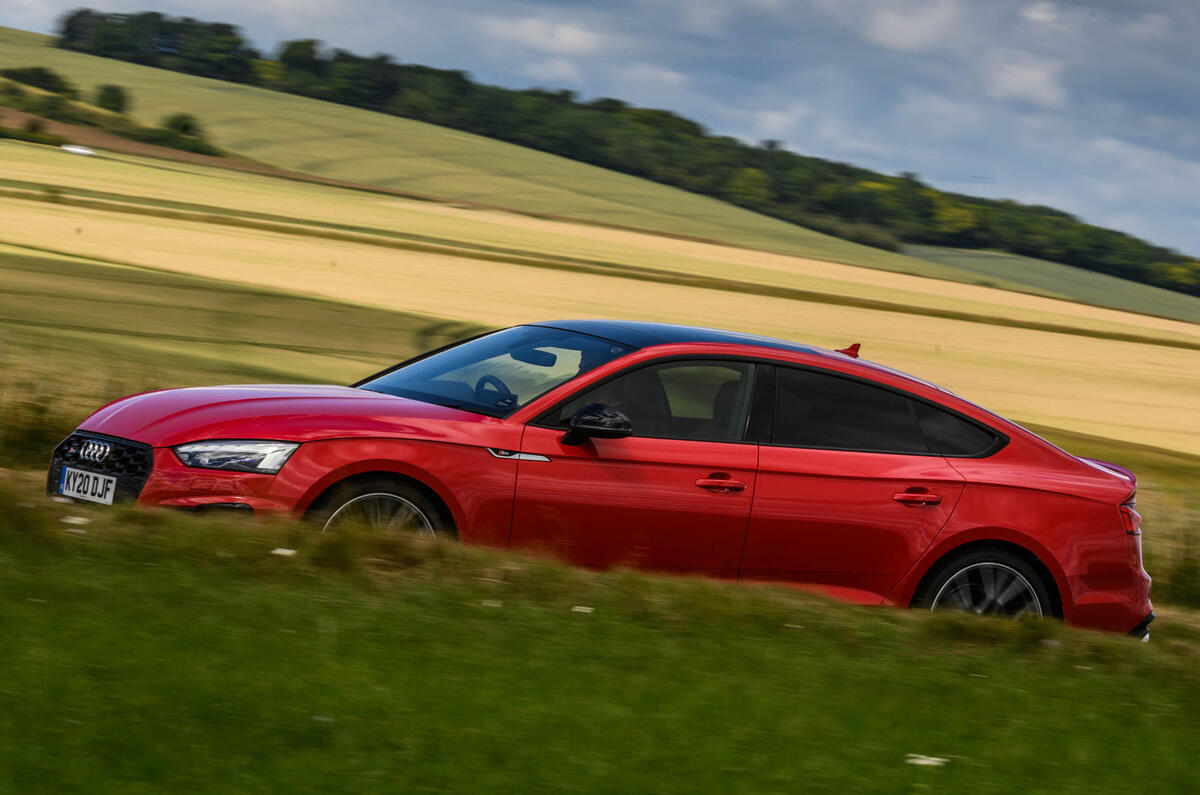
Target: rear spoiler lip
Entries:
(1115, 469)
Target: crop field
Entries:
(1048, 362)
(149, 186)
(373, 148)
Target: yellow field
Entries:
(1141, 393)
(249, 193)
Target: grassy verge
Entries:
(147, 651)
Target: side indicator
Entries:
(851, 351)
(513, 455)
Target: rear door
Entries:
(674, 496)
(849, 493)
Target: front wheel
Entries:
(380, 504)
(988, 582)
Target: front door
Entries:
(675, 496)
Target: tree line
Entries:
(59, 100)
(836, 198)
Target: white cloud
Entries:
(779, 122)
(1148, 26)
(911, 26)
(648, 73)
(560, 38)
(934, 116)
(1020, 75)
(552, 70)
(1151, 172)
(1042, 13)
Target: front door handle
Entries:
(720, 484)
(916, 498)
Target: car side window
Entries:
(701, 400)
(820, 410)
(949, 434)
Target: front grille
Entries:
(129, 462)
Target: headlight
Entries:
(242, 456)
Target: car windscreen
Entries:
(498, 373)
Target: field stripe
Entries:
(599, 268)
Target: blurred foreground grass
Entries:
(152, 651)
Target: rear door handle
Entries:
(916, 498)
(720, 484)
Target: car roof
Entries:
(643, 334)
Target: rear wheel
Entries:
(988, 582)
(380, 504)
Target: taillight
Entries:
(1131, 518)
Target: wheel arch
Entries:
(1022, 548)
(324, 489)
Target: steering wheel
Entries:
(497, 389)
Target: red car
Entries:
(673, 448)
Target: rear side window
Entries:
(949, 434)
(817, 410)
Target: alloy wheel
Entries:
(381, 511)
(989, 589)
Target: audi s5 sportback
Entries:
(673, 448)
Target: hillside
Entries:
(362, 146)
(850, 202)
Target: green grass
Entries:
(348, 143)
(1062, 281)
(149, 652)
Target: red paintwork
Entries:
(830, 518)
(819, 519)
(635, 502)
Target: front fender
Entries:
(475, 486)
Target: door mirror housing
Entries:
(597, 421)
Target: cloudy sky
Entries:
(1092, 107)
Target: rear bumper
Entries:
(1142, 630)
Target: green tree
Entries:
(112, 97)
(749, 187)
(41, 77)
(269, 73)
(184, 124)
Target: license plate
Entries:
(88, 486)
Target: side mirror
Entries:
(596, 421)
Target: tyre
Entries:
(381, 504)
(988, 582)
